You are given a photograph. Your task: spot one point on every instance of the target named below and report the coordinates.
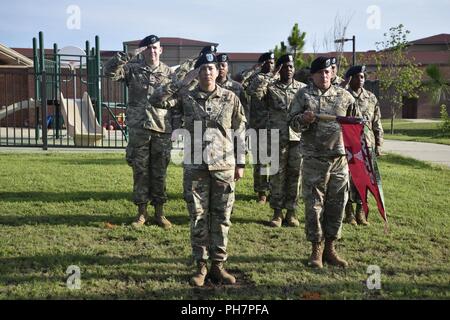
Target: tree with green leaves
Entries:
(398, 75)
(437, 85)
(439, 89)
(296, 42)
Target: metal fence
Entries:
(60, 116)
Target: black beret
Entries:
(355, 70)
(207, 49)
(320, 63)
(207, 57)
(223, 57)
(266, 56)
(152, 39)
(333, 60)
(284, 58)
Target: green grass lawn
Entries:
(55, 207)
(410, 131)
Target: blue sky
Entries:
(237, 25)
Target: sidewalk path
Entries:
(431, 152)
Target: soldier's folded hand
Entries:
(308, 116)
(238, 173)
(123, 57)
(138, 51)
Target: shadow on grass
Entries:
(36, 196)
(138, 272)
(70, 220)
(403, 161)
(89, 161)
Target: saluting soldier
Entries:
(149, 143)
(277, 96)
(258, 120)
(209, 184)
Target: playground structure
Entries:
(63, 101)
(69, 106)
(83, 126)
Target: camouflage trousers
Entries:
(148, 153)
(260, 173)
(209, 196)
(353, 195)
(325, 192)
(285, 184)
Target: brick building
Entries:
(16, 68)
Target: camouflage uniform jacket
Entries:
(219, 113)
(258, 110)
(320, 138)
(142, 81)
(238, 90)
(367, 107)
(277, 97)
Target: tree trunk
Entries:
(392, 121)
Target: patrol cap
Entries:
(284, 59)
(207, 49)
(207, 57)
(333, 60)
(355, 70)
(266, 56)
(223, 57)
(320, 63)
(152, 39)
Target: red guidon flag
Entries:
(361, 166)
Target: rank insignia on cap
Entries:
(209, 57)
(272, 56)
(223, 57)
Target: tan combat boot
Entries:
(277, 218)
(198, 279)
(360, 215)
(315, 260)
(349, 214)
(160, 219)
(331, 257)
(291, 219)
(219, 274)
(141, 217)
(262, 198)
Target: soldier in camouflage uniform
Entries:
(277, 97)
(226, 82)
(325, 169)
(209, 184)
(335, 79)
(258, 119)
(366, 107)
(149, 143)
